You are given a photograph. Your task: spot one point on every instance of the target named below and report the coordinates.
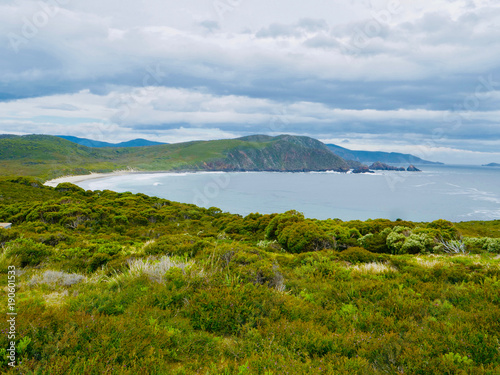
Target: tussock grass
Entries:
(373, 267)
(429, 263)
(154, 269)
(56, 278)
(55, 299)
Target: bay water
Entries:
(455, 193)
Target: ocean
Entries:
(455, 193)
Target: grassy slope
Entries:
(48, 157)
(480, 228)
(229, 300)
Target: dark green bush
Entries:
(7, 235)
(377, 242)
(359, 255)
(69, 187)
(27, 252)
(177, 245)
(98, 260)
(304, 236)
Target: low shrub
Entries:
(359, 255)
(226, 310)
(27, 252)
(176, 245)
(97, 261)
(304, 237)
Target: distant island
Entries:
(491, 165)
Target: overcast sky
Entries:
(411, 76)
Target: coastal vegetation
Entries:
(121, 283)
(49, 157)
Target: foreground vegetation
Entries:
(116, 283)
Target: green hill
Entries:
(48, 156)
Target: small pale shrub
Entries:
(54, 278)
(403, 241)
(396, 239)
(492, 245)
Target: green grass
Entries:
(117, 283)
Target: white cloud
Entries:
(364, 68)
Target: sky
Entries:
(420, 77)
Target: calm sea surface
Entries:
(455, 193)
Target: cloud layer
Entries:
(381, 74)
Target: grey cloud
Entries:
(296, 30)
(313, 25)
(210, 25)
(430, 62)
(63, 107)
(322, 41)
(277, 30)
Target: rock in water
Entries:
(378, 166)
(412, 168)
(362, 169)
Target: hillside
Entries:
(121, 283)
(374, 156)
(48, 156)
(491, 165)
(139, 142)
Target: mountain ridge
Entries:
(380, 156)
(48, 156)
(138, 142)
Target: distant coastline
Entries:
(491, 165)
(75, 179)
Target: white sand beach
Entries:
(91, 176)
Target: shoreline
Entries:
(73, 179)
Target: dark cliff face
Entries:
(282, 153)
